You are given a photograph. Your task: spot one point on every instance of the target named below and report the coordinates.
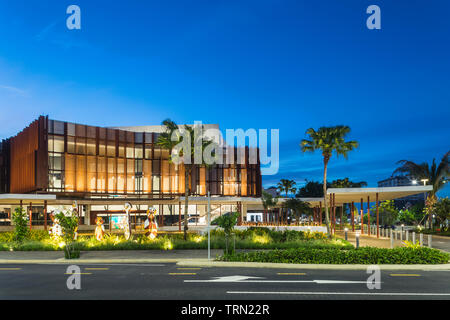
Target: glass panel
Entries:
(55, 180)
(50, 143)
(120, 175)
(138, 137)
(91, 147)
(58, 127)
(101, 174)
(70, 144)
(138, 151)
(58, 145)
(81, 173)
(111, 149)
(81, 146)
(122, 150)
(155, 184)
(147, 173)
(91, 174)
(148, 137)
(70, 173)
(130, 175)
(70, 129)
(111, 175)
(130, 151)
(243, 182)
(165, 177)
(148, 151)
(56, 161)
(80, 130)
(102, 149)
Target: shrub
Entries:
(20, 220)
(366, 255)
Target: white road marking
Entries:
(248, 279)
(343, 293)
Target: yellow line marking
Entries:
(86, 273)
(96, 268)
(291, 274)
(404, 275)
(189, 268)
(10, 269)
(182, 274)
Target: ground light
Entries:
(346, 234)
(357, 240)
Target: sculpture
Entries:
(126, 221)
(150, 224)
(100, 229)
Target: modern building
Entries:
(403, 181)
(101, 168)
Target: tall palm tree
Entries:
(170, 138)
(328, 140)
(436, 175)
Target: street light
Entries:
(424, 181)
(414, 182)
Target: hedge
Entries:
(365, 255)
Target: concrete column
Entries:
(392, 239)
(407, 235)
(430, 241)
(87, 215)
(421, 239)
(414, 237)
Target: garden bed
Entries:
(366, 255)
(257, 238)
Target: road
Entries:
(169, 281)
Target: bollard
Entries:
(357, 241)
(421, 239)
(430, 244)
(392, 239)
(414, 237)
(346, 234)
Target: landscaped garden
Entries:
(252, 238)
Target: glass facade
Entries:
(95, 160)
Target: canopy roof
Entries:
(14, 199)
(347, 195)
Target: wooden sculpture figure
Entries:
(150, 224)
(55, 230)
(100, 229)
(126, 222)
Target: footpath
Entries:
(188, 258)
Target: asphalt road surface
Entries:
(169, 281)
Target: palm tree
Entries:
(170, 138)
(328, 140)
(436, 175)
(346, 183)
(286, 186)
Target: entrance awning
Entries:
(14, 199)
(349, 195)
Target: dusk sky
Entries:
(287, 65)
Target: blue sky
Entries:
(286, 65)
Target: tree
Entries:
(312, 189)
(442, 211)
(268, 201)
(387, 212)
(172, 137)
(20, 220)
(436, 175)
(228, 222)
(286, 186)
(68, 221)
(328, 140)
(346, 183)
(298, 207)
